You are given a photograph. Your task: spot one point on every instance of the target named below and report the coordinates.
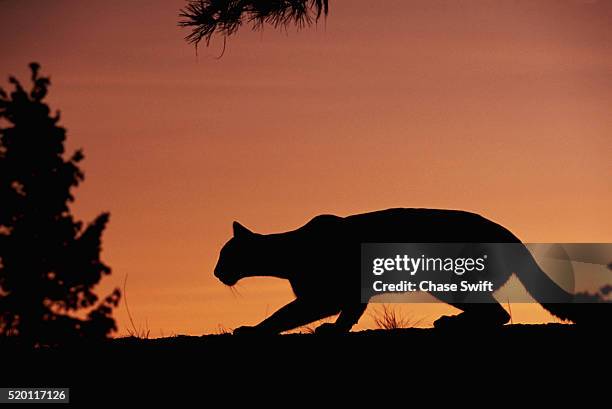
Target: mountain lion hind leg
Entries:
(475, 315)
(295, 314)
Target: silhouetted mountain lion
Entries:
(314, 260)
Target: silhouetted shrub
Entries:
(49, 262)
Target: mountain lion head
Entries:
(235, 260)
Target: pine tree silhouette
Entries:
(49, 262)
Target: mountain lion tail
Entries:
(541, 287)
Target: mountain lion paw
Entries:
(328, 328)
(485, 320)
(247, 330)
(447, 322)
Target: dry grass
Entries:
(389, 318)
(223, 330)
(140, 332)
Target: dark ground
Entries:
(187, 368)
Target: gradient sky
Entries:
(497, 107)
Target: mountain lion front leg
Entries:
(295, 314)
(347, 318)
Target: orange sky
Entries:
(497, 107)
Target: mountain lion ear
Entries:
(240, 230)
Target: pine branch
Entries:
(206, 18)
